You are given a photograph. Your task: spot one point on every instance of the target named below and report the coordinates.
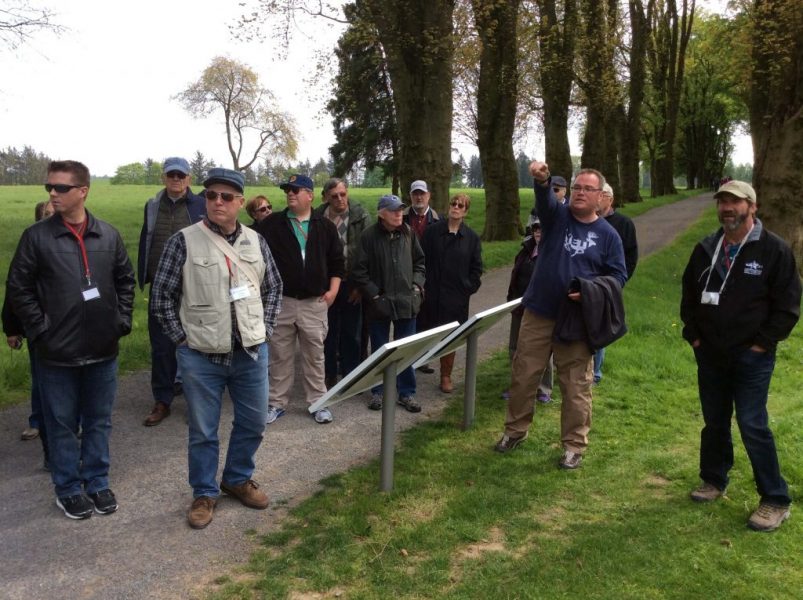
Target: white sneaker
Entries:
(323, 416)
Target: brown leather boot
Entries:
(159, 413)
(447, 362)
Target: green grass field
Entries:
(464, 522)
(122, 206)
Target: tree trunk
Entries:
(671, 32)
(631, 118)
(496, 115)
(417, 38)
(776, 118)
(599, 85)
(557, 45)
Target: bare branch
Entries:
(19, 21)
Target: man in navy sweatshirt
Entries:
(576, 243)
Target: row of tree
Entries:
(22, 167)
(648, 81)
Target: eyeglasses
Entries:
(61, 188)
(293, 188)
(457, 204)
(264, 209)
(225, 196)
(175, 175)
(557, 189)
(585, 188)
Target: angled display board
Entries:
(370, 372)
(477, 324)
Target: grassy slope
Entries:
(122, 206)
(464, 522)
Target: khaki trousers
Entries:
(575, 374)
(305, 321)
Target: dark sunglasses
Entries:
(292, 188)
(225, 196)
(556, 189)
(264, 208)
(61, 188)
(457, 204)
(175, 175)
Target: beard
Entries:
(735, 223)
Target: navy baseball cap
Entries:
(390, 202)
(227, 176)
(298, 180)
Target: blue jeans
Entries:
(599, 357)
(380, 335)
(72, 396)
(204, 382)
(345, 332)
(163, 362)
(36, 420)
(739, 380)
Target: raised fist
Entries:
(539, 171)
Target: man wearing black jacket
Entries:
(72, 287)
(308, 252)
(627, 231)
(741, 296)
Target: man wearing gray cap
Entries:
(390, 272)
(421, 215)
(741, 296)
(172, 209)
(217, 294)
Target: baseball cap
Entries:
(419, 185)
(558, 181)
(176, 163)
(390, 202)
(298, 180)
(740, 189)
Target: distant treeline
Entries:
(22, 167)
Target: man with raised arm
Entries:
(577, 245)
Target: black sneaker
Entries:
(75, 507)
(104, 501)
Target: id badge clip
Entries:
(711, 298)
(239, 292)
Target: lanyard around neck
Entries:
(720, 244)
(79, 236)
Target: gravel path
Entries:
(145, 549)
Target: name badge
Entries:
(90, 294)
(239, 292)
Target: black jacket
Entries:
(45, 284)
(627, 231)
(308, 278)
(390, 264)
(454, 271)
(599, 317)
(760, 303)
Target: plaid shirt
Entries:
(168, 284)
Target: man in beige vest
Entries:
(217, 294)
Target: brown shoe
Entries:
(248, 493)
(707, 492)
(159, 413)
(447, 362)
(507, 443)
(200, 513)
(768, 517)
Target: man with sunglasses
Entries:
(217, 294)
(72, 287)
(576, 245)
(309, 255)
(171, 210)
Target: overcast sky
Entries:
(101, 91)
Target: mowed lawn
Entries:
(464, 522)
(122, 206)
